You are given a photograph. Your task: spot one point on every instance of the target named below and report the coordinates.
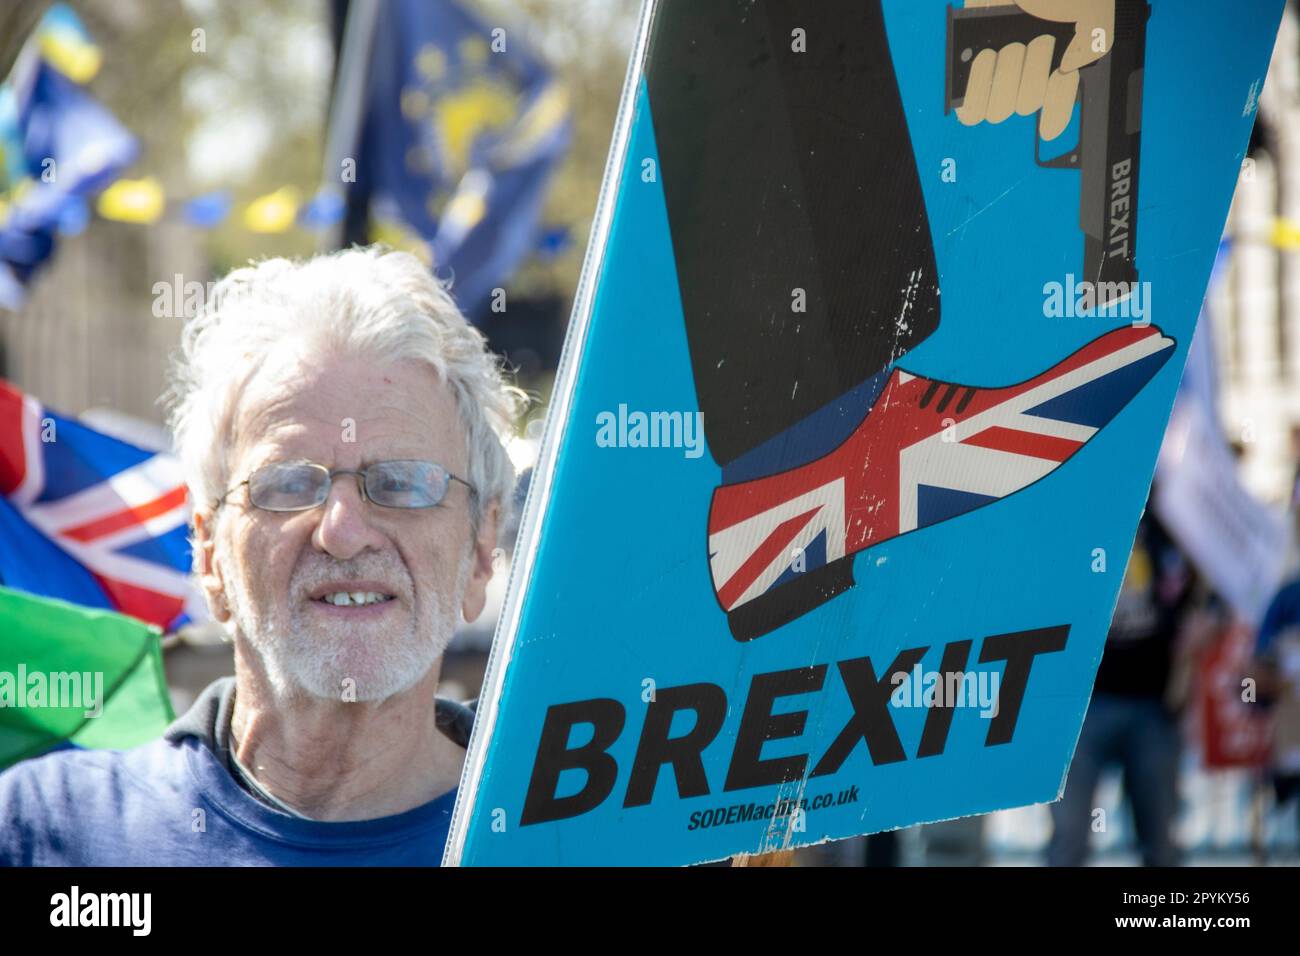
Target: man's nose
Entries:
(345, 528)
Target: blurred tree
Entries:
(221, 95)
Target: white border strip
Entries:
(539, 492)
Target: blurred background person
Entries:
(1276, 669)
(1132, 720)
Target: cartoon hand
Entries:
(1019, 77)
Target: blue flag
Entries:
(462, 131)
(58, 145)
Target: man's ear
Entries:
(481, 570)
(205, 565)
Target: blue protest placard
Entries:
(883, 315)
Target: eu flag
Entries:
(463, 128)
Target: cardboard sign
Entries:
(880, 326)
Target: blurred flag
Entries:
(323, 210)
(91, 519)
(65, 44)
(462, 129)
(132, 200)
(209, 210)
(554, 241)
(1234, 539)
(1285, 234)
(57, 146)
(274, 212)
(75, 217)
(69, 675)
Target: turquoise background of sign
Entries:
(621, 590)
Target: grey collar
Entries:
(208, 719)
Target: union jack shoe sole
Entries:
(926, 451)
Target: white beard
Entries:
(339, 660)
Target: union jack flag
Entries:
(927, 451)
(91, 519)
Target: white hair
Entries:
(367, 301)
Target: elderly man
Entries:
(341, 427)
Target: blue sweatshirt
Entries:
(175, 802)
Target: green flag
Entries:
(70, 673)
